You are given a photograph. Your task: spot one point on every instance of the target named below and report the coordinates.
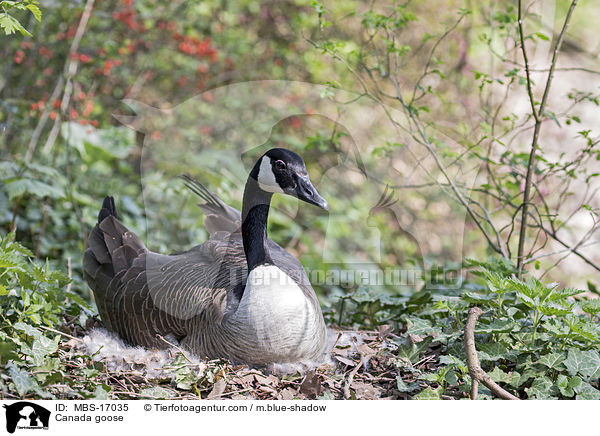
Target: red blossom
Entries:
(89, 107)
(19, 56)
(107, 67)
(295, 122)
(44, 51)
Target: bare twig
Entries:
(60, 333)
(425, 141)
(69, 73)
(538, 114)
(351, 378)
(574, 250)
(182, 351)
(477, 374)
(69, 272)
(35, 137)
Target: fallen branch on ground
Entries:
(477, 374)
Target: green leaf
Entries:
(40, 348)
(412, 352)
(114, 142)
(586, 391)
(553, 360)
(472, 297)
(542, 388)
(429, 394)
(498, 326)
(555, 309)
(584, 363)
(500, 376)
(591, 306)
(77, 299)
(157, 393)
(23, 382)
(566, 385)
(492, 352)
(8, 351)
(327, 395)
(524, 378)
(430, 377)
(406, 387)
(418, 326)
(101, 393)
(35, 11)
(11, 25)
(451, 378)
(452, 361)
(28, 330)
(19, 187)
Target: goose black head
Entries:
(283, 171)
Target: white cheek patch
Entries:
(266, 178)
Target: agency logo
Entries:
(26, 415)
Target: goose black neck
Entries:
(255, 212)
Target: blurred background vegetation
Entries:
(416, 120)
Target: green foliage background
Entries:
(62, 152)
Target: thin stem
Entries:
(537, 115)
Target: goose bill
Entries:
(306, 191)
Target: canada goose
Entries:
(239, 295)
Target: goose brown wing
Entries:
(141, 294)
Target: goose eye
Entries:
(280, 165)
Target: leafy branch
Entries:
(9, 23)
